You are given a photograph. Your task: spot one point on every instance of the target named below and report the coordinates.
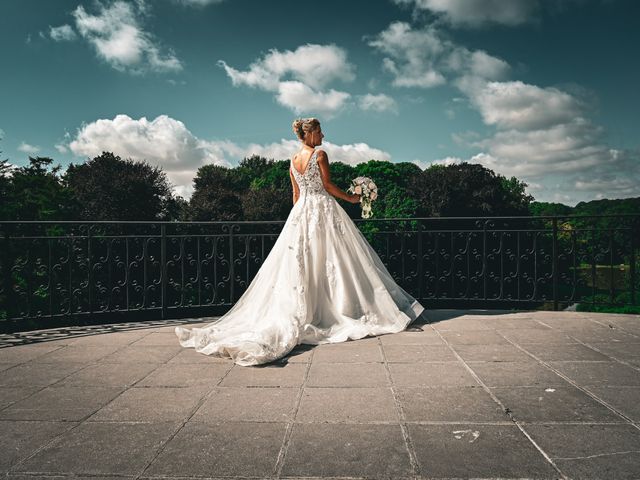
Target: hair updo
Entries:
(302, 126)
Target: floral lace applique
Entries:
(331, 274)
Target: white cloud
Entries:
(522, 106)
(61, 148)
(424, 58)
(118, 38)
(301, 98)
(542, 133)
(377, 103)
(63, 33)
(26, 148)
(299, 78)
(476, 13)
(168, 143)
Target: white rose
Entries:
(374, 195)
(358, 190)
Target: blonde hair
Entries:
(302, 126)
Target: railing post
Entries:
(163, 269)
(632, 261)
(420, 266)
(89, 271)
(7, 278)
(484, 259)
(554, 255)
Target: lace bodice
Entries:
(310, 181)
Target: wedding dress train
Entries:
(322, 282)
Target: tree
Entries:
(35, 193)
(216, 195)
(467, 190)
(110, 188)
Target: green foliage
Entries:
(33, 192)
(467, 190)
(110, 188)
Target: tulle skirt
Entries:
(322, 282)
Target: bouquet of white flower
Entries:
(368, 192)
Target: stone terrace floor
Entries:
(463, 394)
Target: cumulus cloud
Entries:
(299, 78)
(63, 33)
(425, 58)
(476, 13)
(377, 103)
(168, 143)
(118, 38)
(26, 148)
(543, 135)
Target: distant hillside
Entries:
(594, 207)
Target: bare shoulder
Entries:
(322, 156)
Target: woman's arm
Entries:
(296, 189)
(329, 186)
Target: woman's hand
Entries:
(355, 198)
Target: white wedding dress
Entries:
(321, 283)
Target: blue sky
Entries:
(541, 90)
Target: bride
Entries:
(321, 282)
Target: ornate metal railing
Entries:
(67, 273)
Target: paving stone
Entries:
(189, 355)
(601, 333)
(620, 350)
(427, 337)
(248, 404)
(108, 375)
(61, 403)
(503, 322)
(34, 375)
(554, 404)
(347, 352)
(475, 450)
(333, 450)
(114, 338)
(599, 373)
(431, 374)
(235, 449)
(491, 353)
(502, 374)
(90, 449)
(142, 353)
(418, 353)
(177, 375)
(347, 375)
(591, 451)
(300, 354)
(450, 404)
(356, 404)
(572, 351)
(624, 399)
(156, 338)
(9, 395)
(24, 353)
(526, 336)
(271, 375)
(19, 439)
(77, 353)
(462, 323)
(478, 337)
(151, 404)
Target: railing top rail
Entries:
(406, 219)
